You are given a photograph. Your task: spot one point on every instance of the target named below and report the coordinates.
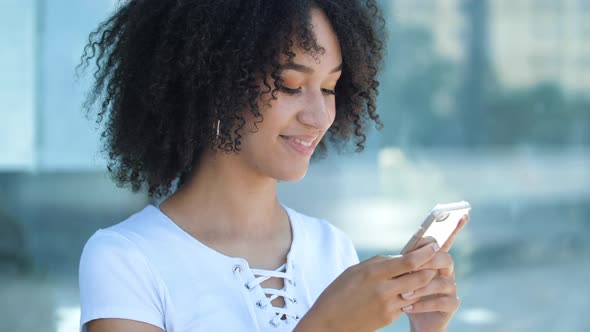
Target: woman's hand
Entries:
(438, 300)
(367, 296)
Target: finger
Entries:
(449, 243)
(402, 264)
(442, 261)
(449, 304)
(410, 282)
(424, 242)
(438, 286)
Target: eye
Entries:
(288, 90)
(298, 90)
(330, 92)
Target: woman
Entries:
(230, 97)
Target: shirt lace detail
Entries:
(263, 275)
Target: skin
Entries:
(368, 296)
(238, 191)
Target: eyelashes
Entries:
(290, 91)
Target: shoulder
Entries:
(128, 235)
(326, 239)
(119, 245)
(106, 242)
(319, 229)
(109, 252)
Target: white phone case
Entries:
(440, 224)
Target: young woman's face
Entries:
(302, 113)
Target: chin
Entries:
(292, 175)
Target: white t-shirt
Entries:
(148, 269)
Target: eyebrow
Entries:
(305, 69)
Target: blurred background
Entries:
(482, 100)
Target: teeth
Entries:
(304, 143)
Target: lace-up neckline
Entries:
(263, 275)
(260, 275)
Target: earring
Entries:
(216, 128)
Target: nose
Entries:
(318, 111)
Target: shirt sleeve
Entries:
(351, 256)
(347, 253)
(116, 282)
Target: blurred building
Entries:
(443, 19)
(42, 127)
(17, 85)
(529, 41)
(533, 41)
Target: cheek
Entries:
(279, 111)
(332, 112)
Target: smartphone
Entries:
(440, 224)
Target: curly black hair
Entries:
(166, 71)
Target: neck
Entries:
(224, 190)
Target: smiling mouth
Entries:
(299, 141)
(299, 145)
(302, 142)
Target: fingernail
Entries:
(408, 308)
(436, 247)
(408, 295)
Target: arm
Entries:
(121, 325)
(309, 324)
